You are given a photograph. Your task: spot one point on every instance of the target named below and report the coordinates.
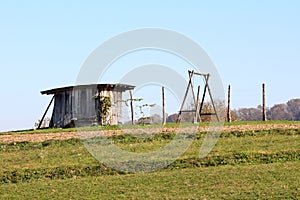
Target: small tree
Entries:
(144, 119)
(143, 106)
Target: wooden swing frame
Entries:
(199, 108)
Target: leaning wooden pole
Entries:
(197, 113)
(228, 105)
(264, 102)
(163, 106)
(191, 73)
(41, 122)
(211, 98)
(131, 107)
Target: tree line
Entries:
(285, 111)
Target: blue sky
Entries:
(44, 43)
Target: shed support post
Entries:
(40, 124)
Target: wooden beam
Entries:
(203, 114)
(40, 124)
(198, 73)
(203, 98)
(192, 87)
(197, 106)
(185, 111)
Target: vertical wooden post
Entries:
(264, 102)
(131, 107)
(163, 106)
(228, 105)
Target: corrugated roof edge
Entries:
(122, 87)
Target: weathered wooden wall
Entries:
(62, 111)
(80, 105)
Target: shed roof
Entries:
(118, 87)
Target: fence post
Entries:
(228, 105)
(264, 102)
(131, 107)
(163, 106)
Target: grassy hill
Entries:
(258, 164)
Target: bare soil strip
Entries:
(68, 135)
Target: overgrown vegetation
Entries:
(103, 104)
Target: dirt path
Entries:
(68, 135)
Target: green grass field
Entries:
(263, 181)
(243, 165)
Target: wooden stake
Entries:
(131, 107)
(163, 106)
(228, 104)
(264, 102)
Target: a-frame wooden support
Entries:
(198, 108)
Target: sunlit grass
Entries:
(141, 126)
(272, 181)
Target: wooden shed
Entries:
(77, 105)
